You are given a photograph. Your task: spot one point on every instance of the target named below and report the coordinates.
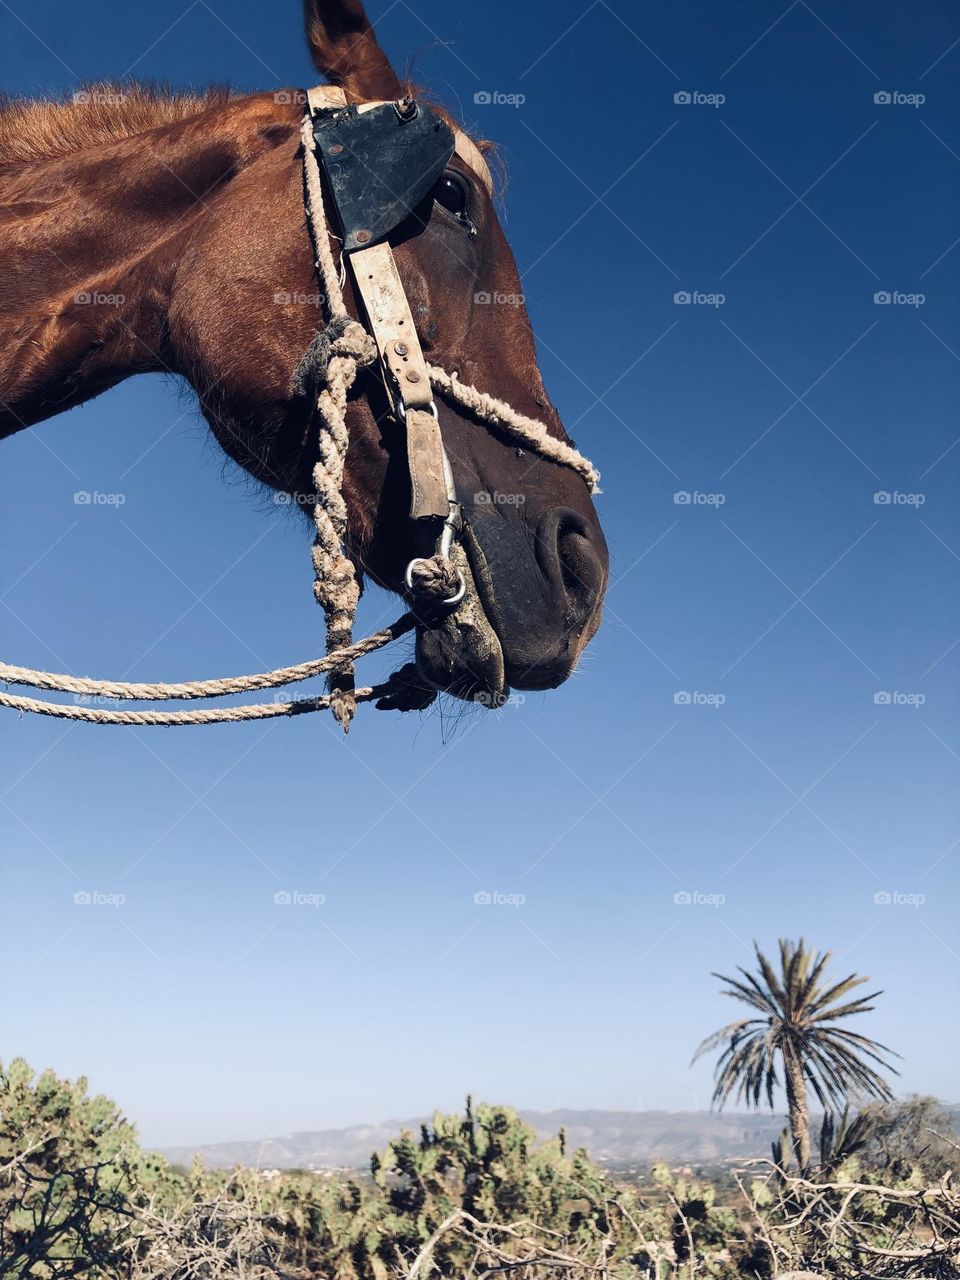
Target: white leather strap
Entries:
(391, 323)
(405, 375)
(324, 96)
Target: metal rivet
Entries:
(400, 348)
(412, 376)
(336, 149)
(363, 237)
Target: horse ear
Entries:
(344, 48)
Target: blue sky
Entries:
(208, 1011)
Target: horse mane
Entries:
(34, 129)
(44, 128)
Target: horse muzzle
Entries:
(541, 586)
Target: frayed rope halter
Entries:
(330, 367)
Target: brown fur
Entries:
(32, 129)
(186, 215)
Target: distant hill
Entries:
(615, 1138)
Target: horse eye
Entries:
(452, 194)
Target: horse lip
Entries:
(462, 654)
(482, 581)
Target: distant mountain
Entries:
(615, 1138)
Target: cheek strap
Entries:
(405, 376)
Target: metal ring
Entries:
(431, 408)
(408, 581)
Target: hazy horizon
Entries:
(387, 1121)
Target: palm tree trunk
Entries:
(797, 1110)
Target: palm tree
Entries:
(796, 1011)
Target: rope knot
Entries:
(434, 581)
(343, 338)
(352, 342)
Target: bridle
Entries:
(380, 160)
(389, 146)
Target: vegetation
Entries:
(470, 1196)
(796, 1030)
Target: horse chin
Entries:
(461, 654)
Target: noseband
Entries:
(380, 160)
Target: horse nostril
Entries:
(571, 561)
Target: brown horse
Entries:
(145, 232)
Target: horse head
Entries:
(535, 554)
(200, 225)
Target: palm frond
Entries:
(836, 991)
(728, 1032)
